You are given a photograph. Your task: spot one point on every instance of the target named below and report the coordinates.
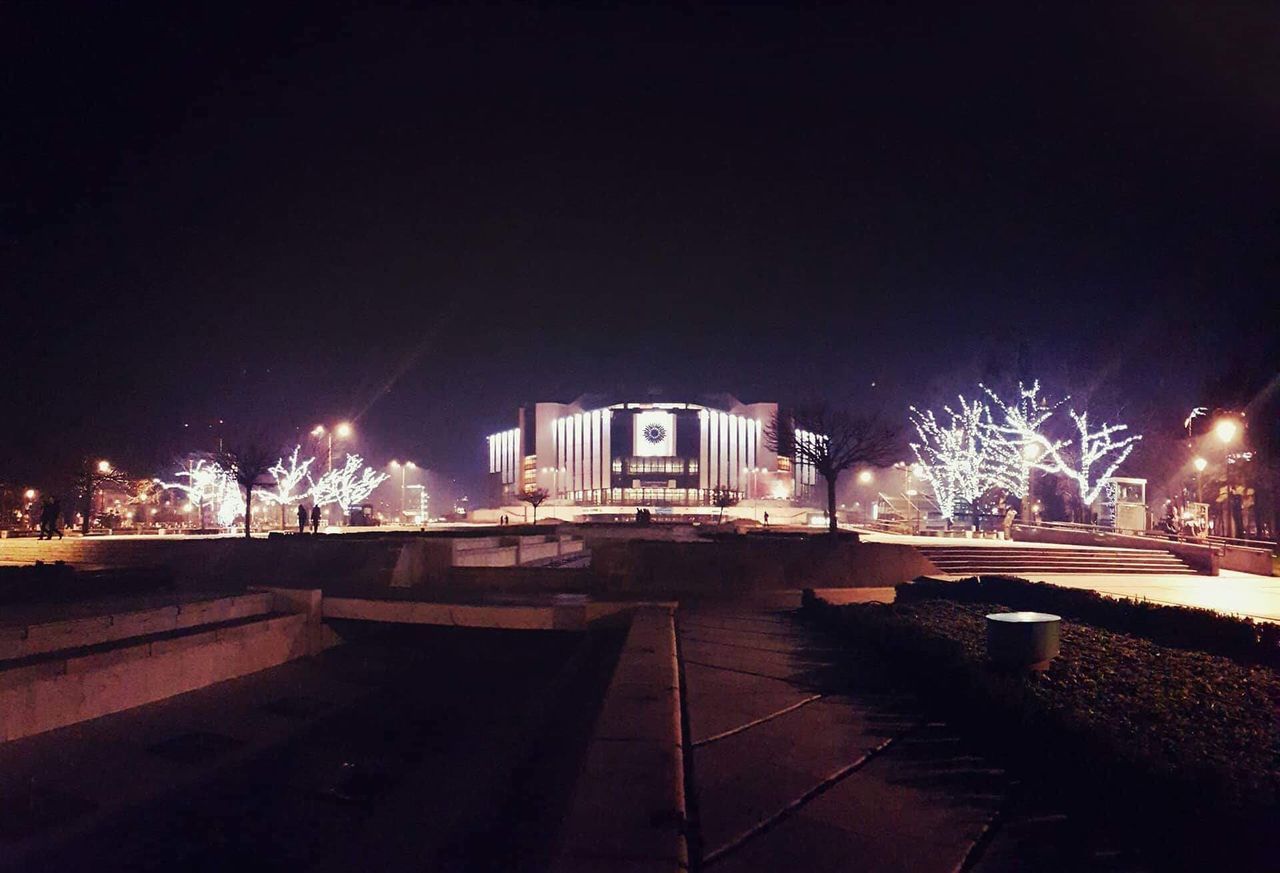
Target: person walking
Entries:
(315, 519)
(766, 519)
(303, 515)
(55, 518)
(46, 519)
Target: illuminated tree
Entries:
(1019, 443)
(535, 497)
(1092, 450)
(831, 441)
(347, 485)
(957, 458)
(208, 484)
(287, 479)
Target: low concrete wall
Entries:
(502, 556)
(1246, 560)
(628, 809)
(738, 564)
(19, 641)
(57, 692)
(570, 614)
(1204, 559)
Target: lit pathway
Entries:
(1231, 592)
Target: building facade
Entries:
(644, 453)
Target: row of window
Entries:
(671, 466)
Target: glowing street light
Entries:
(404, 469)
(865, 476)
(1226, 429)
(104, 466)
(343, 429)
(30, 494)
(1200, 464)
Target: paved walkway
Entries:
(796, 767)
(805, 761)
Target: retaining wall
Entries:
(56, 692)
(750, 563)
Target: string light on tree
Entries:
(209, 484)
(346, 486)
(956, 459)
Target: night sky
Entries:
(419, 218)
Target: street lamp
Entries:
(865, 476)
(343, 431)
(1226, 430)
(1199, 464)
(404, 469)
(104, 466)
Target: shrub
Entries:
(1175, 739)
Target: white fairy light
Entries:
(347, 485)
(1093, 447)
(287, 478)
(209, 484)
(957, 459)
(1023, 446)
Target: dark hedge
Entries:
(1191, 740)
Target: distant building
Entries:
(643, 453)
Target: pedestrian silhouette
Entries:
(46, 519)
(315, 518)
(302, 518)
(55, 514)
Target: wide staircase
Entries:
(1024, 560)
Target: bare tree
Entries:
(89, 476)
(723, 498)
(250, 465)
(535, 498)
(831, 441)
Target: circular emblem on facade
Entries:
(654, 433)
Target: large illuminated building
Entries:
(590, 453)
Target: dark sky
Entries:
(418, 218)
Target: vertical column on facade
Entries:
(735, 461)
(598, 483)
(703, 450)
(724, 449)
(606, 452)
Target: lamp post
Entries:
(1199, 464)
(1226, 429)
(343, 430)
(404, 469)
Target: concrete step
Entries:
(56, 688)
(28, 638)
(1017, 560)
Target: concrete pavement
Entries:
(800, 765)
